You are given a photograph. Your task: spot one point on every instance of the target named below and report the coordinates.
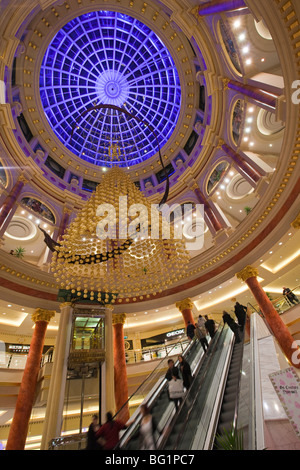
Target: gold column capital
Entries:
(23, 179)
(42, 314)
(184, 304)
(118, 318)
(247, 272)
(225, 83)
(296, 223)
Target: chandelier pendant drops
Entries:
(132, 259)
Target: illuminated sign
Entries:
(175, 333)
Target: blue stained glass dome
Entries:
(109, 58)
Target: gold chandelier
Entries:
(121, 265)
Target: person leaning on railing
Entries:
(290, 296)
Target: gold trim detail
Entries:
(296, 223)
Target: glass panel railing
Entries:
(157, 397)
(190, 430)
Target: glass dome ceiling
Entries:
(109, 58)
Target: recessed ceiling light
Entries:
(246, 139)
(30, 216)
(37, 221)
(245, 49)
(237, 23)
(248, 130)
(242, 36)
(227, 180)
(249, 61)
(251, 109)
(280, 243)
(231, 173)
(22, 212)
(250, 119)
(270, 252)
(9, 305)
(251, 144)
(262, 59)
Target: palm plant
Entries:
(19, 252)
(231, 439)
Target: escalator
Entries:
(157, 399)
(211, 403)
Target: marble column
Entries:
(186, 308)
(277, 326)
(250, 174)
(55, 403)
(210, 217)
(19, 427)
(64, 222)
(10, 201)
(217, 6)
(120, 369)
(252, 92)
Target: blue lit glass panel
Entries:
(107, 57)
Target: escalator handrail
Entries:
(153, 397)
(235, 414)
(149, 376)
(186, 396)
(237, 398)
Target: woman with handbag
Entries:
(176, 389)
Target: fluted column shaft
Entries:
(252, 175)
(120, 370)
(253, 92)
(54, 410)
(10, 200)
(19, 427)
(209, 216)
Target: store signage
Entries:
(18, 348)
(175, 333)
(287, 386)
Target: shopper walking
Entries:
(232, 325)
(201, 336)
(92, 443)
(190, 330)
(176, 389)
(171, 368)
(241, 314)
(186, 373)
(108, 434)
(147, 430)
(210, 326)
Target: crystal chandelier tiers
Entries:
(116, 247)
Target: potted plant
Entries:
(247, 209)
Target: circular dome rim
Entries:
(84, 24)
(39, 124)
